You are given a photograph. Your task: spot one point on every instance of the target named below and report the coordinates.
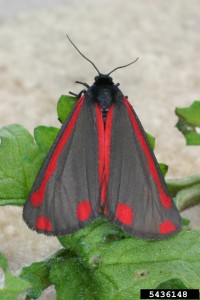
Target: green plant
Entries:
(99, 261)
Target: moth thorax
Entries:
(104, 98)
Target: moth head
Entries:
(102, 79)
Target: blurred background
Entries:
(38, 64)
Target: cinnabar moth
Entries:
(101, 158)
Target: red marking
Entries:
(165, 200)
(100, 128)
(43, 224)
(37, 197)
(124, 213)
(104, 142)
(103, 195)
(83, 210)
(167, 227)
(108, 133)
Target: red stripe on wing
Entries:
(165, 199)
(37, 197)
(104, 143)
(108, 132)
(101, 138)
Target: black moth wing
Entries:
(138, 200)
(65, 195)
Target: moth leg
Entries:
(79, 94)
(83, 83)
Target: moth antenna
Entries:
(123, 66)
(82, 54)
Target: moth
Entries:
(101, 163)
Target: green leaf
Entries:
(3, 262)
(163, 168)
(176, 185)
(192, 138)
(20, 160)
(37, 274)
(45, 136)
(185, 221)
(189, 121)
(151, 140)
(174, 283)
(73, 281)
(190, 114)
(99, 264)
(188, 197)
(64, 106)
(123, 265)
(13, 285)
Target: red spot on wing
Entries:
(43, 224)
(165, 199)
(124, 213)
(167, 227)
(104, 143)
(83, 210)
(37, 197)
